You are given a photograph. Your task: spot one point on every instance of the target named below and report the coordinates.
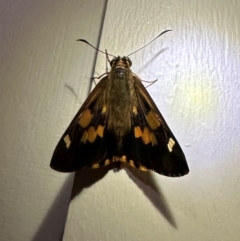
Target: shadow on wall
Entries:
(55, 219)
(144, 180)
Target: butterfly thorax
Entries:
(118, 95)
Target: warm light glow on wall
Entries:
(199, 96)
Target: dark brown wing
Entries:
(149, 145)
(84, 143)
(153, 145)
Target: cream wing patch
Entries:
(170, 144)
(67, 141)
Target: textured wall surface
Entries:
(42, 66)
(44, 78)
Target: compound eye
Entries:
(128, 60)
(112, 61)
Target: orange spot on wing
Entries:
(143, 168)
(152, 120)
(134, 109)
(100, 130)
(137, 132)
(146, 136)
(123, 159)
(84, 137)
(91, 134)
(85, 118)
(153, 139)
(104, 109)
(95, 166)
(131, 163)
(107, 162)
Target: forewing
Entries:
(84, 143)
(153, 145)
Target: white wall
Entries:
(198, 93)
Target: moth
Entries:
(119, 122)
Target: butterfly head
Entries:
(121, 62)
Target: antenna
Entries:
(150, 41)
(85, 41)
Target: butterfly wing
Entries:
(149, 145)
(153, 145)
(85, 141)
